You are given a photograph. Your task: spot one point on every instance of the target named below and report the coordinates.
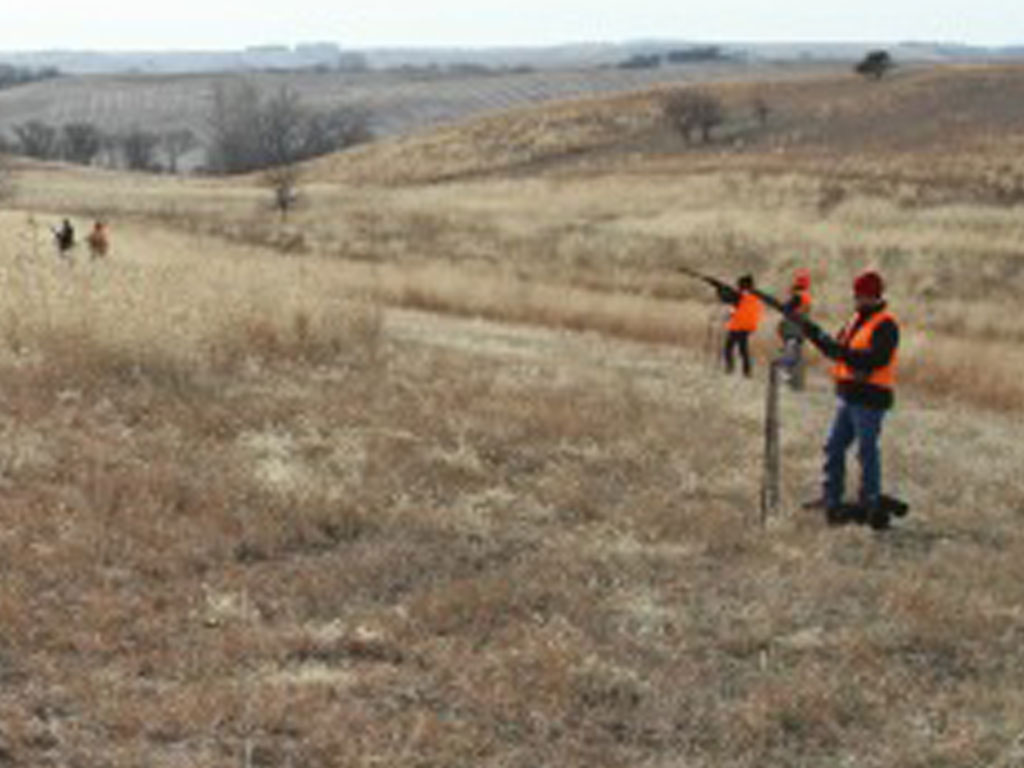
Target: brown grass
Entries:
(453, 483)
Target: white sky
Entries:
(223, 24)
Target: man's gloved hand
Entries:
(812, 331)
(726, 294)
(828, 346)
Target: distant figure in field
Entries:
(99, 240)
(65, 238)
(790, 331)
(744, 318)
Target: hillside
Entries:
(527, 117)
(958, 127)
(402, 102)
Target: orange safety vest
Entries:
(746, 314)
(884, 377)
(98, 240)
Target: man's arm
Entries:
(727, 294)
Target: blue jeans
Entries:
(850, 423)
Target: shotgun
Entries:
(726, 292)
(813, 332)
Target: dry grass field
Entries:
(439, 472)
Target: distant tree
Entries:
(692, 111)
(696, 54)
(641, 61)
(80, 142)
(469, 68)
(175, 144)
(138, 148)
(110, 150)
(875, 65)
(234, 124)
(761, 111)
(326, 132)
(249, 132)
(37, 139)
(284, 142)
(11, 76)
(281, 129)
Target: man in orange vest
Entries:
(865, 353)
(743, 321)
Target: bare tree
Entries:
(250, 132)
(344, 126)
(138, 148)
(80, 142)
(283, 139)
(110, 150)
(690, 110)
(234, 128)
(275, 135)
(175, 144)
(37, 139)
(282, 129)
(761, 111)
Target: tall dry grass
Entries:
(254, 517)
(601, 253)
(504, 547)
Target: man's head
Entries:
(746, 282)
(801, 280)
(868, 288)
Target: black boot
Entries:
(895, 507)
(878, 517)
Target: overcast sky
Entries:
(216, 24)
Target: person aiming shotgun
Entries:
(865, 353)
(743, 320)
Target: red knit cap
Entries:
(802, 279)
(869, 285)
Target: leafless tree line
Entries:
(85, 143)
(251, 131)
(12, 76)
(247, 131)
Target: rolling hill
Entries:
(401, 102)
(942, 129)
